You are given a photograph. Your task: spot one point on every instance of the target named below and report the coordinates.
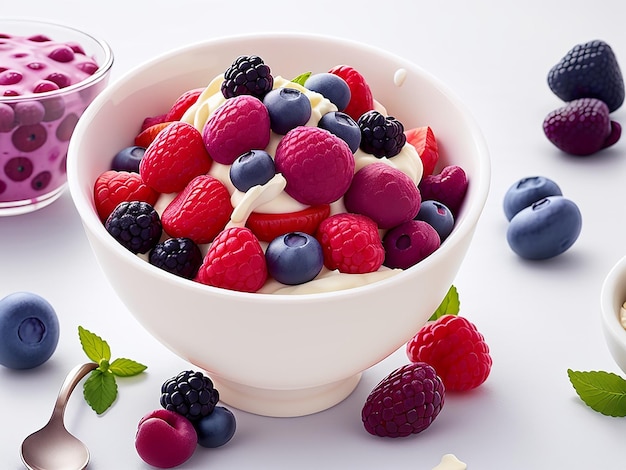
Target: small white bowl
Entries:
(612, 298)
(278, 355)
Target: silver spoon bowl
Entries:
(53, 447)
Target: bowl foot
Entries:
(284, 403)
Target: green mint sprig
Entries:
(450, 305)
(100, 388)
(604, 392)
(302, 78)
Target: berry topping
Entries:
(343, 126)
(234, 261)
(405, 402)
(424, 141)
(255, 167)
(236, 127)
(113, 187)
(448, 187)
(248, 75)
(409, 243)
(582, 127)
(294, 258)
(182, 103)
(147, 135)
(438, 215)
(456, 349)
(180, 256)
(317, 165)
(190, 394)
(136, 225)
(589, 70)
(384, 194)
(330, 86)
(200, 211)
(288, 108)
(361, 99)
(128, 159)
(381, 136)
(174, 158)
(269, 226)
(350, 243)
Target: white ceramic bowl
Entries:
(612, 297)
(278, 355)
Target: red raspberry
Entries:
(405, 402)
(147, 135)
(239, 125)
(361, 99)
(350, 243)
(456, 349)
(269, 226)
(113, 187)
(317, 165)
(182, 103)
(200, 211)
(174, 158)
(448, 187)
(424, 141)
(234, 261)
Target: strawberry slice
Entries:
(113, 187)
(361, 99)
(269, 226)
(182, 104)
(146, 136)
(424, 141)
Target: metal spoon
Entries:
(53, 447)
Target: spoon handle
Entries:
(72, 379)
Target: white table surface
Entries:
(539, 318)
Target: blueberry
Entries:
(29, 330)
(438, 216)
(217, 428)
(526, 191)
(343, 126)
(288, 108)
(544, 229)
(252, 168)
(128, 159)
(294, 258)
(332, 87)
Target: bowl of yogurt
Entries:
(49, 74)
(613, 312)
(291, 351)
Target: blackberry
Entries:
(180, 256)
(381, 136)
(190, 394)
(248, 75)
(136, 225)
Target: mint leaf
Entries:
(126, 367)
(450, 305)
(95, 347)
(100, 390)
(302, 78)
(604, 392)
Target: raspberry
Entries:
(409, 243)
(113, 187)
(350, 243)
(180, 256)
(405, 402)
(266, 227)
(456, 349)
(190, 394)
(361, 99)
(239, 125)
(381, 136)
(234, 261)
(147, 135)
(248, 75)
(448, 187)
(182, 103)
(174, 158)
(200, 211)
(317, 165)
(136, 225)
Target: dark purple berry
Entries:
(381, 136)
(136, 225)
(253, 168)
(216, 429)
(438, 216)
(128, 159)
(294, 258)
(330, 86)
(288, 108)
(248, 75)
(180, 256)
(190, 394)
(343, 126)
(409, 243)
(29, 138)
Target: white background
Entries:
(539, 318)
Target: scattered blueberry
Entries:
(217, 428)
(294, 258)
(332, 87)
(343, 126)
(438, 216)
(128, 159)
(525, 191)
(29, 330)
(288, 108)
(545, 229)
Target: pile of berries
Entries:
(391, 220)
(588, 78)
